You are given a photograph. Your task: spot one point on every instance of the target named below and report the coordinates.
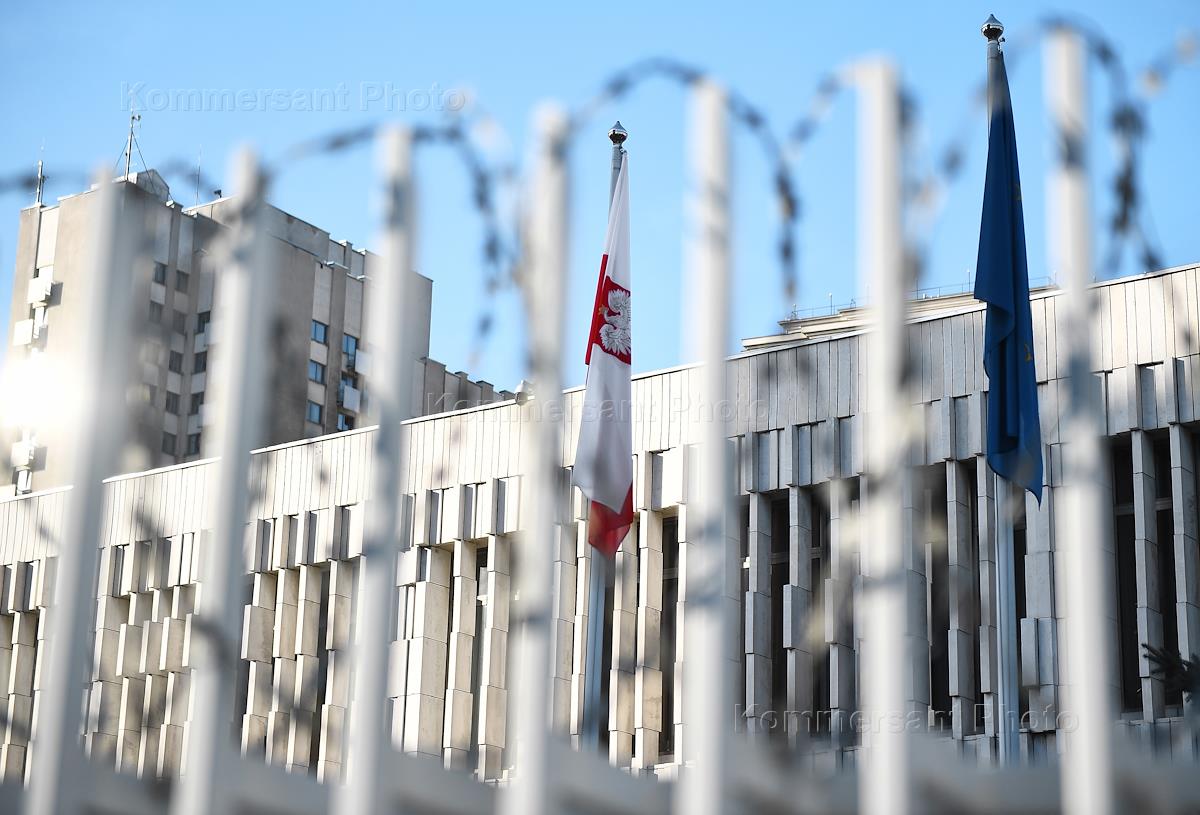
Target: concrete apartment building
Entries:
(798, 441)
(319, 344)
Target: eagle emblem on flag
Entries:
(614, 334)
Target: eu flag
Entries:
(1014, 437)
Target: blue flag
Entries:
(1014, 436)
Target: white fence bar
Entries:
(710, 582)
(369, 734)
(1083, 532)
(58, 780)
(209, 777)
(886, 672)
(544, 290)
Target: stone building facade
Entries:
(318, 347)
(797, 447)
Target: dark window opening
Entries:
(937, 566)
(1019, 549)
(744, 554)
(1128, 647)
(780, 532)
(1165, 526)
(668, 634)
(818, 565)
(481, 602)
(314, 413)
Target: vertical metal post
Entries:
(883, 781)
(1007, 695)
(58, 779)
(369, 731)
(600, 566)
(242, 292)
(530, 793)
(1008, 728)
(708, 631)
(594, 665)
(1082, 530)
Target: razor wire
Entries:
(925, 190)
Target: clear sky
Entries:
(67, 71)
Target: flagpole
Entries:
(601, 566)
(1008, 728)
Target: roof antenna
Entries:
(41, 178)
(134, 118)
(199, 159)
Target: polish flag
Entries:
(604, 457)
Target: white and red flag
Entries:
(604, 456)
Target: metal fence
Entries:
(897, 770)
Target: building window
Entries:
(1128, 649)
(345, 381)
(156, 312)
(320, 332)
(668, 632)
(168, 443)
(314, 412)
(349, 348)
(202, 321)
(179, 321)
(200, 362)
(172, 403)
(345, 422)
(316, 371)
(1132, 535)
(779, 573)
(477, 646)
(193, 444)
(160, 273)
(175, 363)
(181, 280)
(818, 572)
(194, 405)
(1165, 522)
(934, 515)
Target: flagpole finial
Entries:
(618, 134)
(993, 29)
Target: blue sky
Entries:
(65, 76)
